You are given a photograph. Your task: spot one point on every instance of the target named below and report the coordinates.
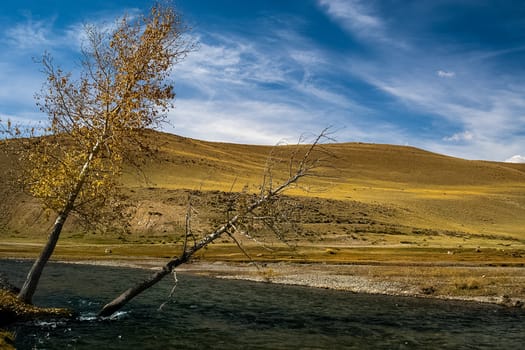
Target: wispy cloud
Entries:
(233, 85)
(26, 40)
(484, 119)
(354, 16)
(374, 82)
(25, 120)
(460, 136)
(464, 105)
(37, 35)
(30, 34)
(445, 74)
(237, 89)
(471, 112)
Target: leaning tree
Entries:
(96, 116)
(262, 207)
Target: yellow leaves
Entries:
(55, 171)
(123, 88)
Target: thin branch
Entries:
(241, 248)
(172, 292)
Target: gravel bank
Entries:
(498, 285)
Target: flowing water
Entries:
(207, 313)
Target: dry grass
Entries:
(428, 190)
(7, 340)
(12, 309)
(278, 252)
(403, 211)
(394, 188)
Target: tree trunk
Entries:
(115, 305)
(29, 287)
(33, 277)
(132, 292)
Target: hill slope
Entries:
(365, 194)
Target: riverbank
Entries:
(228, 314)
(7, 340)
(488, 284)
(491, 274)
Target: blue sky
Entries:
(445, 76)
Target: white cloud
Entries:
(491, 110)
(234, 104)
(43, 35)
(20, 76)
(222, 66)
(233, 68)
(27, 122)
(234, 89)
(461, 136)
(280, 84)
(358, 18)
(253, 122)
(352, 15)
(488, 110)
(516, 159)
(267, 122)
(445, 74)
(29, 34)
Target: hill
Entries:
(364, 194)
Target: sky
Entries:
(445, 76)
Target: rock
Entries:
(428, 290)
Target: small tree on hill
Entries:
(95, 118)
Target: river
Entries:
(206, 313)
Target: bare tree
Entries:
(96, 119)
(302, 162)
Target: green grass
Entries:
(73, 250)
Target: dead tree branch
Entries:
(304, 168)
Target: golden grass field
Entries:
(425, 190)
(363, 194)
(396, 208)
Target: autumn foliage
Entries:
(96, 115)
(95, 119)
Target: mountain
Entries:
(361, 194)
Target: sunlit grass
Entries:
(402, 190)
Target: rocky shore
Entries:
(498, 285)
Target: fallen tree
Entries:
(298, 168)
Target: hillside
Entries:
(364, 194)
